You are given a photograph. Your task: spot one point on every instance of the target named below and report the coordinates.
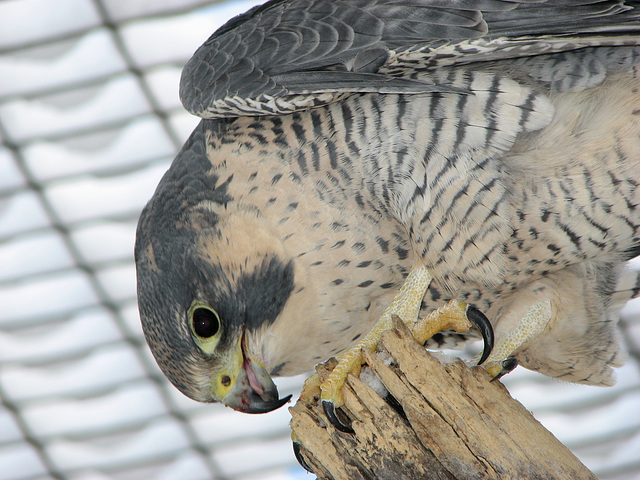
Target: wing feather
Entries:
(288, 55)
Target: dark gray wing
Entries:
(565, 17)
(288, 55)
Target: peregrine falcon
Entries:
(484, 153)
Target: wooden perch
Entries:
(451, 422)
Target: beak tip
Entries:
(261, 406)
(254, 390)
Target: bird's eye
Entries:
(206, 323)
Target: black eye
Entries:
(205, 322)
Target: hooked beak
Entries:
(254, 390)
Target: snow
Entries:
(272, 453)
(62, 64)
(164, 83)
(119, 282)
(46, 19)
(86, 197)
(106, 368)
(155, 442)
(226, 426)
(21, 212)
(106, 241)
(80, 333)
(135, 143)
(28, 301)
(20, 461)
(33, 254)
(9, 430)
(10, 176)
(124, 407)
(119, 98)
(163, 40)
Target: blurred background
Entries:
(89, 121)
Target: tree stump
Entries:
(445, 421)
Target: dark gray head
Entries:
(207, 286)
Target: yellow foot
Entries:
(458, 316)
(502, 361)
(406, 305)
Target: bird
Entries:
(364, 159)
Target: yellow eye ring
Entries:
(206, 326)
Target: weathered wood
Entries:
(451, 423)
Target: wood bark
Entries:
(444, 421)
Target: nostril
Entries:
(226, 380)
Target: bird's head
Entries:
(209, 285)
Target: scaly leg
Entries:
(501, 361)
(405, 305)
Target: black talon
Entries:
(484, 325)
(508, 365)
(296, 451)
(330, 411)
